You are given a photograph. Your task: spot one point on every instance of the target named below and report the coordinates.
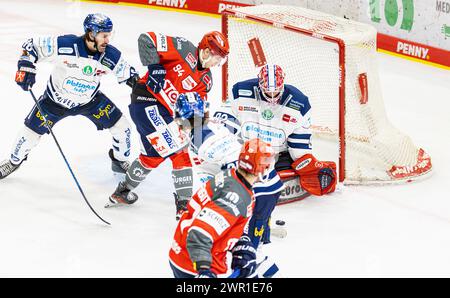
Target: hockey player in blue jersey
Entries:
(73, 89)
(279, 114)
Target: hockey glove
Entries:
(204, 270)
(156, 77)
(316, 177)
(134, 77)
(189, 105)
(26, 74)
(244, 257)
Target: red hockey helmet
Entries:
(271, 82)
(256, 157)
(218, 44)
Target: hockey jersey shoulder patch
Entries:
(296, 100)
(245, 89)
(66, 44)
(207, 80)
(111, 57)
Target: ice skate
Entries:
(117, 166)
(7, 168)
(121, 197)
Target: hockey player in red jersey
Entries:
(176, 85)
(217, 215)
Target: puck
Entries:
(280, 222)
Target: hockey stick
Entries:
(64, 157)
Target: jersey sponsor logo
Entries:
(70, 65)
(189, 83)
(169, 138)
(267, 115)
(244, 92)
(43, 119)
(99, 72)
(220, 149)
(154, 116)
(65, 50)
(162, 43)
(104, 112)
(191, 60)
(214, 219)
(88, 70)
(77, 86)
(275, 137)
(208, 81)
(170, 93)
(289, 118)
(108, 63)
(295, 105)
(157, 144)
(248, 109)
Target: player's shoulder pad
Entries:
(66, 44)
(296, 99)
(111, 57)
(245, 88)
(230, 194)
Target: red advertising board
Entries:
(388, 43)
(208, 6)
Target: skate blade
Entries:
(116, 205)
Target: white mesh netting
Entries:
(375, 151)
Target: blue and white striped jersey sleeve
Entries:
(299, 142)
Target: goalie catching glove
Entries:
(316, 177)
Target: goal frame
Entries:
(342, 71)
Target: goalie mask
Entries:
(271, 82)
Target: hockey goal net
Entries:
(332, 61)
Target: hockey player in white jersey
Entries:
(73, 89)
(279, 114)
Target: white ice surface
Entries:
(47, 230)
